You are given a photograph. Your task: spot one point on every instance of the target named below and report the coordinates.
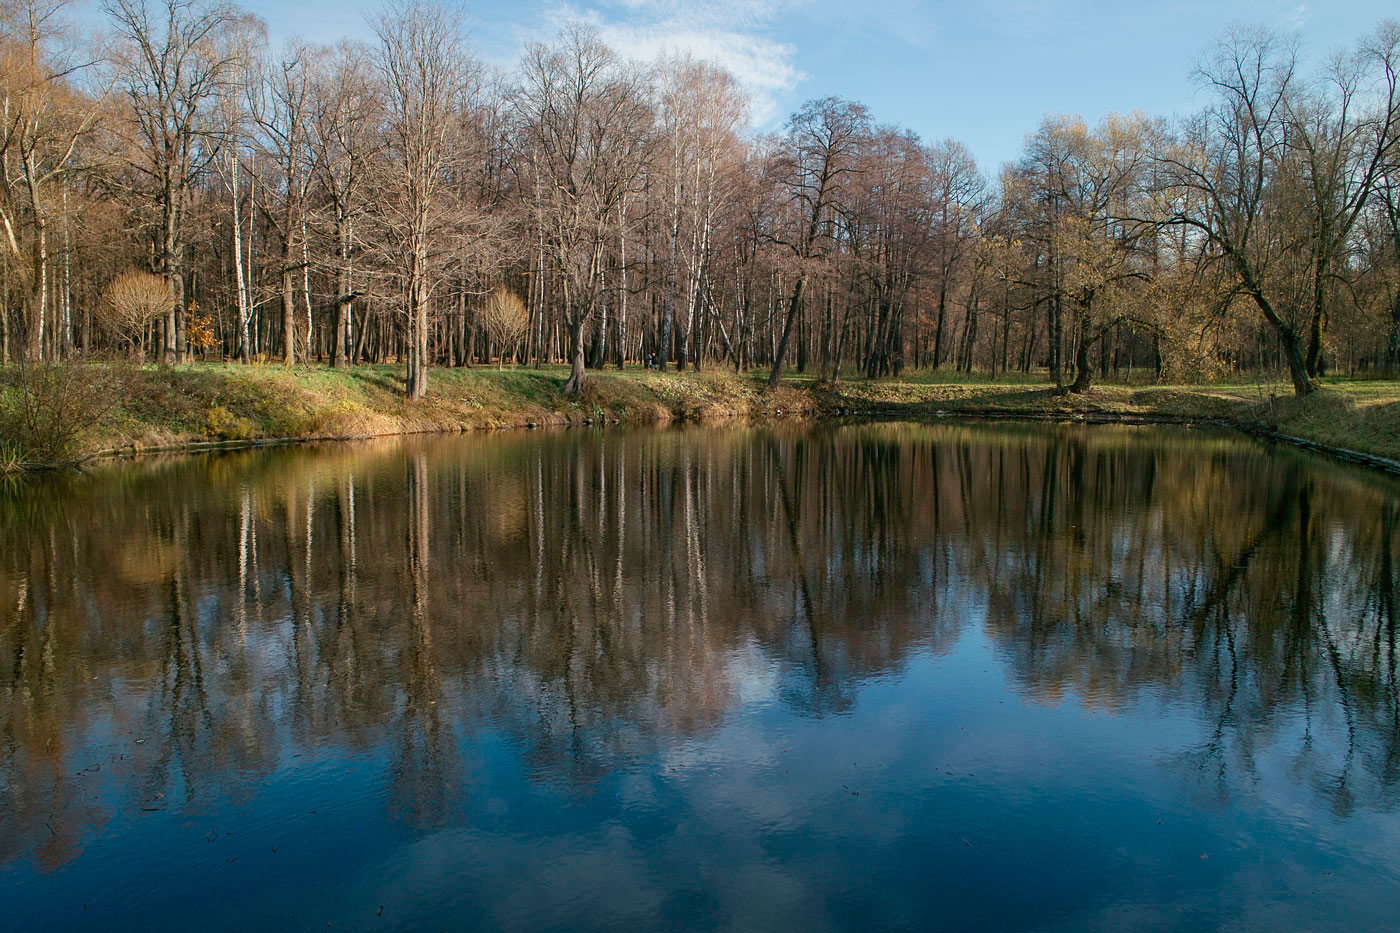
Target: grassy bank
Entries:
(194, 406)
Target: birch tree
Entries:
(345, 112)
(583, 125)
(282, 108)
(45, 122)
(173, 59)
(426, 74)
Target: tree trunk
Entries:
(574, 384)
(938, 326)
(1290, 343)
(344, 298)
(600, 333)
(970, 333)
(245, 313)
(1297, 366)
(36, 305)
(1319, 320)
(794, 304)
(668, 296)
(622, 287)
(416, 381)
(469, 329)
(306, 295)
(1083, 371)
(289, 323)
(169, 340)
(1393, 343)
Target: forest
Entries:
(175, 189)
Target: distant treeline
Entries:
(178, 190)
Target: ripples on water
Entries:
(992, 676)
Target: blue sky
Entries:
(984, 73)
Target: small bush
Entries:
(504, 317)
(222, 424)
(132, 301)
(48, 411)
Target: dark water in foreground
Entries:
(927, 676)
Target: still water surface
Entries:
(951, 676)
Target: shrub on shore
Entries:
(49, 412)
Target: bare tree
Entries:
(234, 119)
(132, 302)
(820, 152)
(427, 74)
(281, 107)
(699, 110)
(1384, 230)
(583, 125)
(173, 58)
(362, 202)
(958, 190)
(1098, 186)
(342, 133)
(1227, 168)
(45, 123)
(1343, 131)
(504, 317)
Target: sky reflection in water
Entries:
(995, 676)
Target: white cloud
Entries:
(1298, 17)
(736, 14)
(730, 33)
(764, 67)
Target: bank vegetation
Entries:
(195, 208)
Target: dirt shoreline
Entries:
(1088, 416)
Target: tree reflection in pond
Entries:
(416, 628)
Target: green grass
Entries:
(230, 402)
(1362, 415)
(209, 403)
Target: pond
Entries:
(899, 675)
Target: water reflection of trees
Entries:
(595, 596)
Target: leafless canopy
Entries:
(372, 202)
